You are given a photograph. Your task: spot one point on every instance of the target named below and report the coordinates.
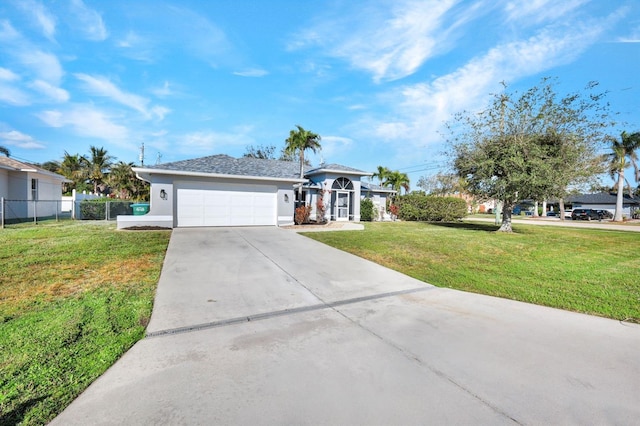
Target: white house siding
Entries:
(164, 203)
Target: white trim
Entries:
(212, 175)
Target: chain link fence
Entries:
(29, 211)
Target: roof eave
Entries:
(139, 170)
(344, 172)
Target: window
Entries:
(34, 189)
(342, 183)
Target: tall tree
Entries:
(381, 174)
(528, 146)
(123, 182)
(5, 151)
(397, 180)
(75, 168)
(441, 184)
(99, 164)
(261, 151)
(298, 142)
(52, 166)
(623, 153)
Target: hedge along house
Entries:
(220, 190)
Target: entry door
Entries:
(342, 206)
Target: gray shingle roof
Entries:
(601, 198)
(13, 164)
(244, 166)
(336, 167)
(373, 187)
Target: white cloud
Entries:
(536, 11)
(56, 94)
(164, 91)
(89, 22)
(45, 66)
(20, 140)
(390, 48)
(43, 19)
(210, 142)
(254, 72)
(8, 75)
(420, 110)
(102, 86)
(13, 96)
(88, 121)
(8, 34)
(333, 146)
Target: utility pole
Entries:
(142, 154)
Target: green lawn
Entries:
(583, 270)
(74, 296)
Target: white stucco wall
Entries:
(167, 206)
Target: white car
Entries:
(567, 214)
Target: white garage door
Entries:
(225, 204)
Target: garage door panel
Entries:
(208, 204)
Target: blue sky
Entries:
(376, 79)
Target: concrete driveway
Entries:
(264, 326)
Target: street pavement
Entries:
(265, 326)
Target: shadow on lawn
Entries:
(16, 415)
(475, 226)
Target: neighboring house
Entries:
(220, 190)
(604, 201)
(380, 197)
(29, 190)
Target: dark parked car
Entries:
(605, 214)
(552, 214)
(585, 214)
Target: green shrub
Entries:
(367, 210)
(431, 209)
(93, 209)
(96, 209)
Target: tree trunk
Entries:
(561, 205)
(535, 210)
(301, 177)
(506, 218)
(544, 208)
(619, 198)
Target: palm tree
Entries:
(74, 167)
(397, 180)
(122, 180)
(623, 153)
(51, 166)
(298, 142)
(99, 164)
(5, 151)
(381, 173)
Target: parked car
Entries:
(567, 214)
(605, 214)
(552, 214)
(585, 214)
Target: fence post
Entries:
(106, 211)
(2, 212)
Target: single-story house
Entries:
(220, 190)
(604, 201)
(29, 190)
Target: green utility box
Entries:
(140, 209)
